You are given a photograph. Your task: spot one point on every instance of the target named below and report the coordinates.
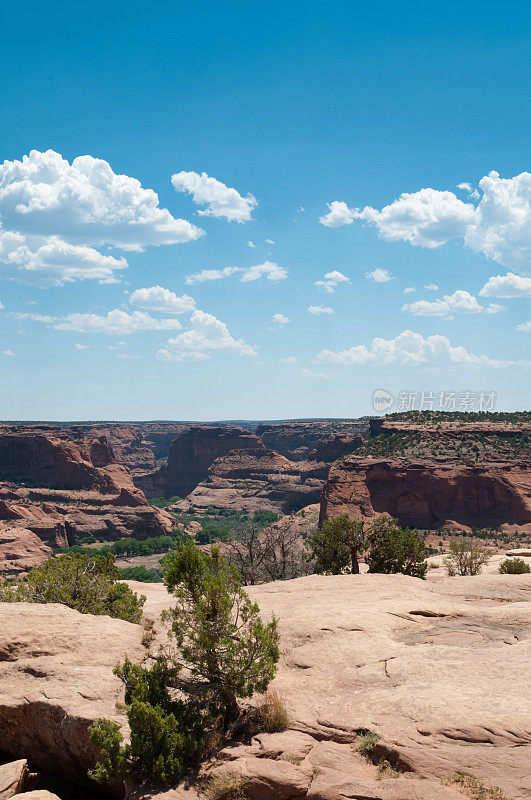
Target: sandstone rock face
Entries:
(259, 479)
(437, 669)
(339, 446)
(297, 440)
(70, 488)
(429, 494)
(56, 678)
(14, 778)
(191, 454)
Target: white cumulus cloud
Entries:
(281, 319)
(460, 302)
(379, 275)
(410, 349)
(268, 270)
(525, 327)
(320, 309)
(8, 353)
(499, 226)
(54, 215)
(157, 298)
(220, 200)
(506, 286)
(115, 322)
(338, 214)
(331, 281)
(289, 360)
(409, 290)
(206, 333)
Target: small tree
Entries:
(87, 583)
(222, 645)
(465, 557)
(337, 545)
(514, 566)
(393, 549)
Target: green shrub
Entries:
(222, 640)
(394, 549)
(166, 734)
(219, 650)
(465, 557)
(141, 574)
(366, 743)
(88, 584)
(337, 544)
(514, 566)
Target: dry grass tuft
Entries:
(385, 770)
(227, 786)
(474, 788)
(366, 743)
(273, 713)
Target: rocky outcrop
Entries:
(436, 669)
(297, 440)
(331, 449)
(429, 494)
(15, 779)
(190, 457)
(260, 479)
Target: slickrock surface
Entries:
(56, 679)
(191, 454)
(251, 480)
(438, 669)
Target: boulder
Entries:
(15, 777)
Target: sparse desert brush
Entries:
(465, 557)
(226, 786)
(474, 788)
(385, 770)
(366, 743)
(514, 566)
(273, 713)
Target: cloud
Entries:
(339, 214)
(156, 298)
(8, 353)
(51, 261)
(308, 373)
(116, 322)
(320, 310)
(220, 200)
(525, 327)
(268, 270)
(32, 316)
(206, 333)
(54, 214)
(331, 280)
(466, 187)
(281, 319)
(269, 241)
(431, 287)
(410, 349)
(507, 286)
(251, 244)
(460, 302)
(499, 226)
(379, 275)
(289, 360)
(409, 289)
(126, 356)
(1, 305)
(81, 346)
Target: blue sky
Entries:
(286, 107)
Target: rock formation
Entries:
(251, 480)
(429, 473)
(427, 495)
(329, 450)
(55, 490)
(191, 454)
(437, 669)
(297, 440)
